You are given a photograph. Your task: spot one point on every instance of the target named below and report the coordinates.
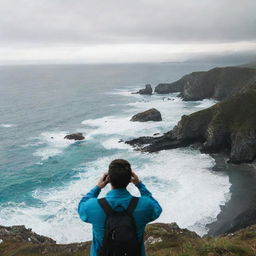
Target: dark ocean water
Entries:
(43, 175)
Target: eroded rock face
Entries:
(148, 115)
(164, 88)
(217, 83)
(146, 91)
(75, 136)
(227, 126)
(243, 146)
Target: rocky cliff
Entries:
(227, 126)
(160, 240)
(217, 83)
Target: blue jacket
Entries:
(147, 210)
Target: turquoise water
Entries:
(43, 175)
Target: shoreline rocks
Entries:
(227, 126)
(148, 115)
(75, 136)
(217, 83)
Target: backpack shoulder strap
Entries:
(105, 206)
(132, 205)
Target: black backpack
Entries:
(120, 236)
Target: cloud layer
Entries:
(65, 23)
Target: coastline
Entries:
(240, 211)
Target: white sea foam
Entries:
(171, 108)
(115, 143)
(110, 125)
(7, 125)
(206, 103)
(125, 92)
(121, 125)
(181, 179)
(54, 144)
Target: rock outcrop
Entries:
(147, 90)
(148, 115)
(228, 126)
(217, 83)
(75, 136)
(164, 88)
(22, 234)
(159, 239)
(20, 241)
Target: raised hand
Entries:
(103, 181)
(135, 179)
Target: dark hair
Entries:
(119, 172)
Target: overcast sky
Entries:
(124, 30)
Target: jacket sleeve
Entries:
(83, 205)
(156, 208)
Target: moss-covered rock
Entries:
(169, 239)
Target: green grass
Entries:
(174, 242)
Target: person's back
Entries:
(119, 175)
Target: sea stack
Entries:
(147, 90)
(148, 115)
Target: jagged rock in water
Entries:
(148, 115)
(146, 91)
(227, 126)
(217, 83)
(75, 136)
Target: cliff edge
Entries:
(160, 240)
(228, 126)
(217, 83)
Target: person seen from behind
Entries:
(119, 219)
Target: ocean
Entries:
(43, 175)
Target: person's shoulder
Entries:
(145, 201)
(92, 202)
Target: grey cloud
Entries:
(133, 21)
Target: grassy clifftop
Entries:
(171, 240)
(160, 240)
